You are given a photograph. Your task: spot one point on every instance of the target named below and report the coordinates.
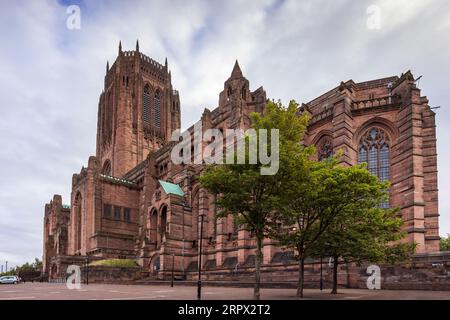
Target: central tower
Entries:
(137, 112)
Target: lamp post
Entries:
(87, 270)
(6, 268)
(199, 282)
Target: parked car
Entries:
(9, 280)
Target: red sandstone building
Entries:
(132, 201)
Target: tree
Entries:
(364, 231)
(315, 200)
(241, 189)
(26, 267)
(444, 244)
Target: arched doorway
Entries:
(155, 265)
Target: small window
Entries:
(107, 210)
(127, 214)
(117, 213)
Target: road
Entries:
(49, 291)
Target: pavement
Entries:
(58, 291)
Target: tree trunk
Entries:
(301, 276)
(335, 274)
(258, 260)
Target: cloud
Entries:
(51, 76)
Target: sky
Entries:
(51, 75)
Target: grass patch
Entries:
(122, 263)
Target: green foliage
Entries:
(35, 266)
(363, 230)
(122, 263)
(444, 244)
(315, 207)
(242, 191)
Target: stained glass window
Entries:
(374, 150)
(325, 149)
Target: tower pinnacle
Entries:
(236, 73)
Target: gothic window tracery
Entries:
(374, 149)
(325, 150)
(146, 106)
(106, 170)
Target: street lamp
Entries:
(87, 270)
(199, 282)
(173, 265)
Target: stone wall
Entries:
(110, 275)
(424, 272)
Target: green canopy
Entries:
(171, 188)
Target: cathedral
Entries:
(133, 202)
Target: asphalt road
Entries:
(49, 291)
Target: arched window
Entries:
(78, 220)
(153, 227)
(146, 105)
(243, 93)
(106, 170)
(107, 117)
(163, 225)
(374, 149)
(157, 109)
(325, 149)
